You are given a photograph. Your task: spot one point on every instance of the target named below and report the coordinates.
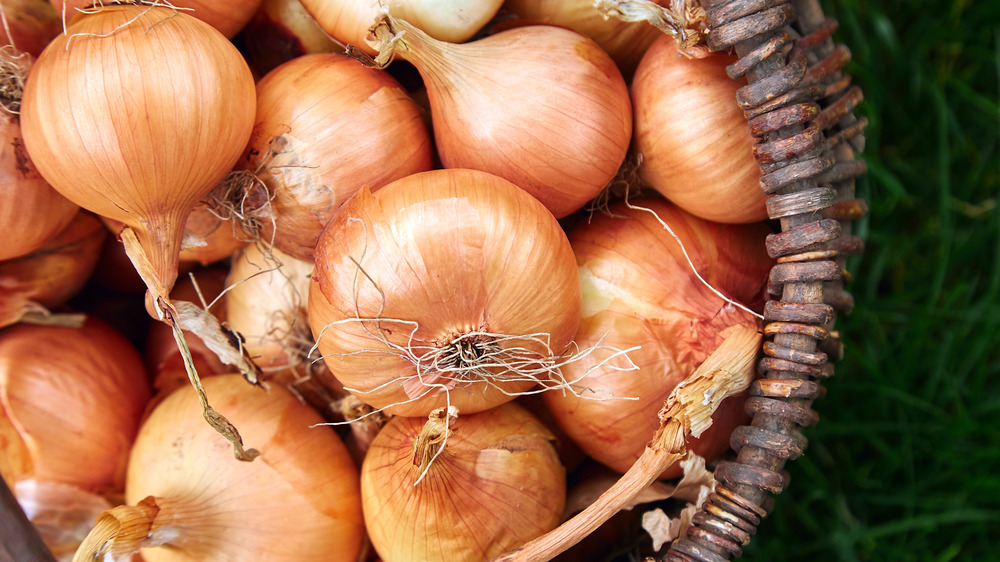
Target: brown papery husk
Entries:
(326, 127)
(134, 146)
(40, 212)
(187, 499)
(51, 275)
(406, 273)
(640, 291)
(624, 41)
(228, 17)
(74, 397)
(208, 238)
(541, 106)
(495, 483)
(348, 21)
(697, 148)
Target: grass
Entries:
(905, 462)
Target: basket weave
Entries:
(799, 106)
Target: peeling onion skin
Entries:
(541, 106)
(75, 397)
(136, 146)
(340, 126)
(638, 290)
(453, 252)
(299, 501)
(455, 21)
(497, 484)
(696, 146)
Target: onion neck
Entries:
(396, 37)
(153, 246)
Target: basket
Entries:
(799, 106)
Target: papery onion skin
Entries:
(541, 106)
(32, 212)
(696, 147)
(448, 20)
(453, 252)
(226, 16)
(74, 397)
(624, 41)
(326, 126)
(209, 239)
(136, 146)
(299, 501)
(497, 484)
(639, 290)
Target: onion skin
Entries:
(32, 24)
(624, 41)
(135, 146)
(696, 146)
(299, 501)
(53, 274)
(340, 126)
(555, 79)
(226, 16)
(454, 252)
(638, 290)
(496, 485)
(448, 20)
(74, 396)
(33, 212)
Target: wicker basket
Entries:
(799, 106)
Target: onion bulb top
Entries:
(541, 106)
(450, 284)
(135, 113)
(227, 16)
(696, 147)
(348, 21)
(640, 291)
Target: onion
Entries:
(624, 41)
(266, 303)
(227, 16)
(282, 30)
(448, 20)
(640, 291)
(696, 147)
(53, 274)
(189, 500)
(208, 238)
(136, 146)
(326, 126)
(462, 488)
(444, 285)
(40, 212)
(70, 404)
(541, 106)
(28, 25)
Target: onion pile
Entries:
(404, 220)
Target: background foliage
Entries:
(904, 462)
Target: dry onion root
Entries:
(186, 499)
(461, 487)
(141, 147)
(444, 287)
